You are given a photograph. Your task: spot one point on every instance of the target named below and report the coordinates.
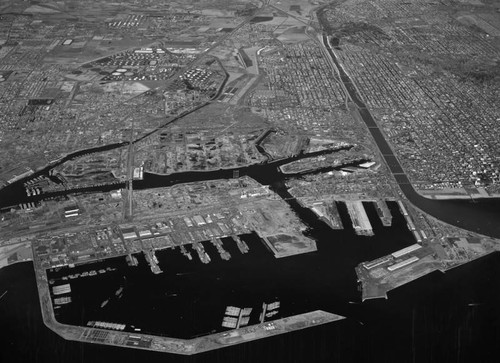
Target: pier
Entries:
(409, 222)
(242, 246)
(152, 261)
(328, 213)
(384, 213)
(186, 253)
(359, 218)
(217, 242)
(204, 257)
(132, 260)
(270, 246)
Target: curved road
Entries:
(478, 216)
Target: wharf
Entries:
(204, 257)
(386, 273)
(327, 212)
(186, 253)
(152, 261)
(242, 246)
(359, 218)
(270, 246)
(384, 213)
(409, 222)
(132, 260)
(149, 252)
(216, 241)
(283, 245)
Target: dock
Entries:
(386, 273)
(269, 246)
(152, 261)
(132, 260)
(359, 218)
(204, 257)
(402, 208)
(186, 253)
(409, 222)
(242, 246)
(384, 213)
(217, 242)
(328, 213)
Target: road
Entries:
(128, 210)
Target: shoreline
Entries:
(454, 194)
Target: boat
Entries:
(104, 303)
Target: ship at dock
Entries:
(131, 260)
(242, 246)
(185, 252)
(152, 260)
(217, 242)
(204, 257)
